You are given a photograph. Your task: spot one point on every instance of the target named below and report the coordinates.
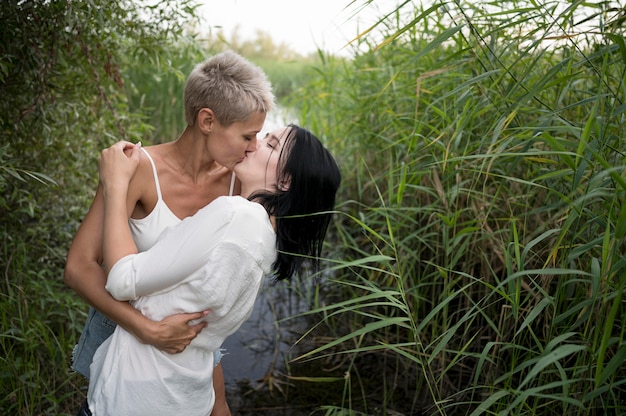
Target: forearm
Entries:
(117, 167)
(171, 335)
(88, 282)
(117, 239)
(83, 268)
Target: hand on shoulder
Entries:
(118, 164)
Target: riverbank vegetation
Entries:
(476, 261)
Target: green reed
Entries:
(477, 254)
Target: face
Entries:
(229, 145)
(259, 169)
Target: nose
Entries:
(253, 145)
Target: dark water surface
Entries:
(257, 353)
(262, 343)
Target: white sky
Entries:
(304, 25)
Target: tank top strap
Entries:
(232, 184)
(154, 172)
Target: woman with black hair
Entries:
(215, 260)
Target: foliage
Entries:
(159, 94)
(287, 69)
(63, 100)
(478, 252)
(476, 261)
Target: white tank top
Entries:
(145, 231)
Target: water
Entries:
(259, 346)
(277, 118)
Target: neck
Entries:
(190, 156)
(247, 191)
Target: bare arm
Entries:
(117, 169)
(84, 274)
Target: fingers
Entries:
(131, 150)
(196, 315)
(183, 344)
(122, 144)
(123, 147)
(198, 327)
(179, 347)
(134, 152)
(136, 149)
(195, 329)
(176, 332)
(118, 163)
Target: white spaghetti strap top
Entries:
(145, 231)
(232, 184)
(156, 176)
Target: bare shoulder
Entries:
(142, 183)
(159, 151)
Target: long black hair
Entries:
(302, 208)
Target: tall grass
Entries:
(39, 318)
(479, 245)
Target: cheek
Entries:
(236, 145)
(272, 169)
(241, 146)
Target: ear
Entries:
(284, 184)
(206, 120)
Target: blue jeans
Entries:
(98, 328)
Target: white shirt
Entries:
(214, 260)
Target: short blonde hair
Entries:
(231, 86)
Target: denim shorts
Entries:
(97, 329)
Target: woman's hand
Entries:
(174, 333)
(118, 164)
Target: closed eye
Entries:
(272, 141)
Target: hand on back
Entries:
(174, 333)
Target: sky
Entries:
(303, 25)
